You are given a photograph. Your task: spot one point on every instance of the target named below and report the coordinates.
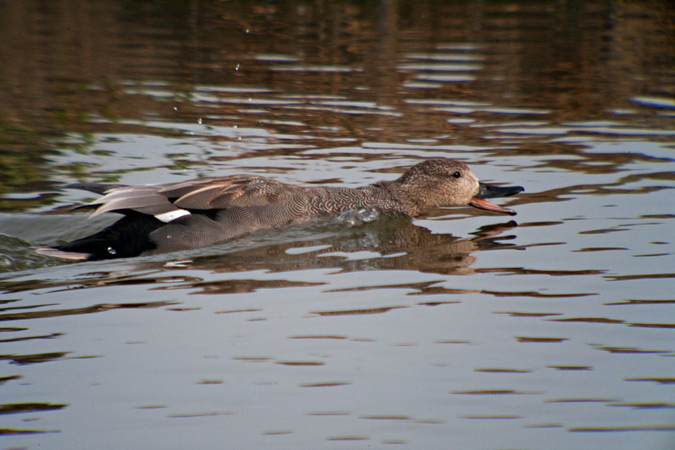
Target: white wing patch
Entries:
(172, 215)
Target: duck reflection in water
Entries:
(208, 211)
(395, 244)
(327, 245)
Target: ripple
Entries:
(588, 320)
(495, 392)
(657, 102)
(519, 110)
(501, 370)
(20, 408)
(644, 405)
(275, 57)
(629, 350)
(23, 431)
(30, 338)
(645, 276)
(540, 340)
(199, 414)
(315, 68)
(385, 417)
(37, 358)
(319, 336)
(102, 307)
(351, 312)
(300, 363)
(493, 416)
(326, 384)
(599, 249)
(642, 302)
(659, 380)
(615, 429)
(347, 438)
(440, 67)
(565, 367)
(457, 57)
(581, 400)
(651, 325)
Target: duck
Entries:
(207, 211)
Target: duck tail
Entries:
(129, 236)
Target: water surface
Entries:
(457, 329)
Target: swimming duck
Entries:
(202, 212)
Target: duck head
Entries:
(447, 182)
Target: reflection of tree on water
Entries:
(372, 63)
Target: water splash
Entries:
(356, 218)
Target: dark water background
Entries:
(458, 329)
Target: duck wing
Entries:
(170, 201)
(223, 192)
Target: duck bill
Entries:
(490, 191)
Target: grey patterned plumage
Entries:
(206, 211)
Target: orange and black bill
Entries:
(490, 191)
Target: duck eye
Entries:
(457, 174)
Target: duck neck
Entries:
(396, 194)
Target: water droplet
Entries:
(168, 236)
(112, 251)
(237, 68)
(199, 121)
(175, 108)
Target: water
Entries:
(457, 329)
